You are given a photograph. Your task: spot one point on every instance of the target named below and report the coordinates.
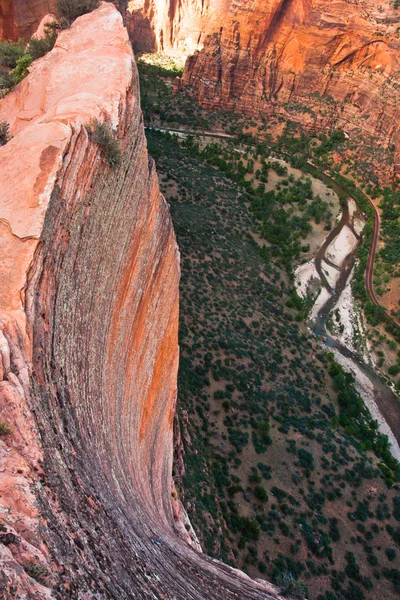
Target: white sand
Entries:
(303, 276)
(323, 297)
(352, 206)
(349, 317)
(359, 225)
(331, 274)
(341, 246)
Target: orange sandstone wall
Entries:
(269, 53)
(173, 25)
(89, 273)
(255, 56)
(20, 18)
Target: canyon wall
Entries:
(173, 26)
(338, 62)
(19, 18)
(89, 271)
(268, 55)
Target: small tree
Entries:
(10, 52)
(38, 47)
(72, 9)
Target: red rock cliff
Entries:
(256, 55)
(89, 272)
(20, 18)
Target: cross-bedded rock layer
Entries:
(89, 271)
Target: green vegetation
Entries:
(284, 458)
(291, 585)
(5, 429)
(69, 10)
(38, 47)
(10, 53)
(37, 571)
(157, 74)
(15, 60)
(102, 135)
(269, 418)
(5, 135)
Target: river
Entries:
(386, 402)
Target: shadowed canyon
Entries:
(122, 247)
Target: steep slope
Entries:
(174, 25)
(89, 315)
(266, 56)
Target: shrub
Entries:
(38, 47)
(10, 52)
(260, 493)
(5, 429)
(390, 553)
(103, 136)
(37, 571)
(9, 80)
(4, 133)
(396, 508)
(291, 585)
(72, 9)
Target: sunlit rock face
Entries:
(269, 53)
(255, 55)
(173, 26)
(89, 272)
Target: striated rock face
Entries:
(173, 25)
(260, 55)
(89, 272)
(20, 18)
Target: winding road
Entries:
(384, 398)
(369, 272)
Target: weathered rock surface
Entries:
(174, 25)
(89, 272)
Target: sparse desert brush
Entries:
(103, 136)
(4, 133)
(293, 586)
(5, 429)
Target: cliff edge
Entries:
(89, 271)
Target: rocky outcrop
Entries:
(89, 271)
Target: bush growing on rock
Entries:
(10, 52)
(103, 136)
(38, 47)
(5, 429)
(72, 9)
(293, 586)
(4, 133)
